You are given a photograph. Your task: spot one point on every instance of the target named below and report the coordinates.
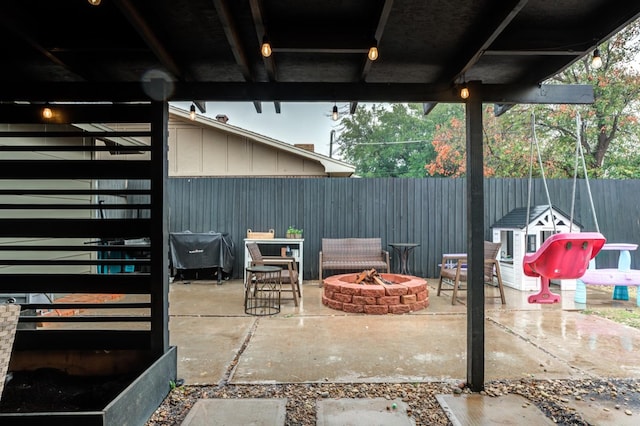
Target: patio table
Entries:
(403, 250)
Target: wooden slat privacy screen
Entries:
(67, 230)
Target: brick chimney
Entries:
(307, 146)
(222, 118)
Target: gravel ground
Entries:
(553, 397)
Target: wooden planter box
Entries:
(261, 235)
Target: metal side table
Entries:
(262, 290)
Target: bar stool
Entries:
(262, 290)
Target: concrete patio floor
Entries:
(313, 343)
(218, 343)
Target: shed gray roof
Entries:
(517, 218)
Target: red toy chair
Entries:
(563, 256)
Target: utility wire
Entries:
(387, 143)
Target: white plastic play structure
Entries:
(620, 278)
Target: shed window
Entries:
(531, 243)
(545, 235)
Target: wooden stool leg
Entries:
(456, 283)
(294, 284)
(500, 286)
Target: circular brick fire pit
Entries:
(405, 294)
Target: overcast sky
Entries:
(297, 123)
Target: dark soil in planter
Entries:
(48, 390)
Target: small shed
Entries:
(520, 234)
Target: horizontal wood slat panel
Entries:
(88, 247)
(74, 206)
(75, 283)
(19, 191)
(72, 134)
(57, 262)
(78, 305)
(73, 148)
(74, 228)
(81, 339)
(85, 319)
(75, 169)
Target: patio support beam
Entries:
(475, 241)
(159, 230)
(299, 92)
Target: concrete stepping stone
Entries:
(476, 409)
(237, 412)
(362, 412)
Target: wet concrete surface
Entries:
(217, 342)
(408, 348)
(475, 409)
(207, 346)
(313, 343)
(604, 412)
(590, 344)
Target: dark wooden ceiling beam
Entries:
(534, 52)
(427, 107)
(10, 23)
(499, 109)
(233, 38)
(608, 17)
(493, 24)
(202, 106)
(257, 12)
(235, 43)
(261, 32)
(149, 37)
(605, 18)
(153, 42)
(300, 92)
(377, 35)
(471, 52)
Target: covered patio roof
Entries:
(211, 50)
(122, 51)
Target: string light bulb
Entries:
(334, 114)
(265, 49)
(47, 113)
(373, 53)
(94, 2)
(192, 112)
(464, 91)
(596, 61)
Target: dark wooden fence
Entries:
(428, 211)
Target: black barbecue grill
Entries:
(196, 252)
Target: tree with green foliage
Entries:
(399, 141)
(391, 140)
(609, 128)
